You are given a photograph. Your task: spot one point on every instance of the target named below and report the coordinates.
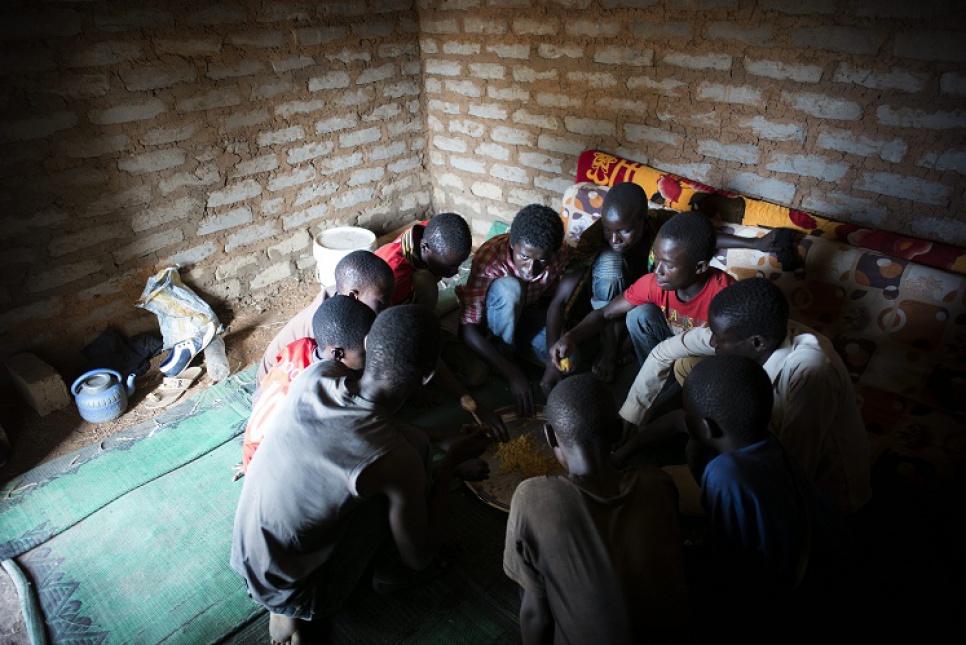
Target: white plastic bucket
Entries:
(333, 244)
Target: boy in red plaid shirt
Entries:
(514, 299)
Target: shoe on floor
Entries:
(183, 353)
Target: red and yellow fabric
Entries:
(292, 361)
(678, 193)
(933, 254)
(662, 187)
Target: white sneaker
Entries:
(183, 353)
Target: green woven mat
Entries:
(57, 495)
(152, 566)
(128, 541)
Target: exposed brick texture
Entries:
(822, 103)
(217, 136)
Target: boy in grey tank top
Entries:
(361, 478)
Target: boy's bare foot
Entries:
(284, 630)
(604, 367)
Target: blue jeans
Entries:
(647, 327)
(609, 278)
(519, 324)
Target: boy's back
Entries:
(612, 568)
(769, 522)
(299, 494)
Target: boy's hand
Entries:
(473, 470)
(469, 445)
(767, 242)
(562, 349)
(522, 392)
(779, 241)
(494, 421)
(605, 367)
(447, 440)
(551, 376)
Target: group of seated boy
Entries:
(336, 487)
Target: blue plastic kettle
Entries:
(102, 395)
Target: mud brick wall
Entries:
(220, 135)
(853, 109)
(215, 135)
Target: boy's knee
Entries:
(609, 265)
(504, 291)
(646, 317)
(607, 279)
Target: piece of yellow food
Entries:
(564, 364)
(520, 455)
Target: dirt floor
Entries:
(34, 439)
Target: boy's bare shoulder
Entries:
(398, 469)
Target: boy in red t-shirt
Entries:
(424, 254)
(340, 325)
(670, 300)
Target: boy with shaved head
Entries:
(420, 257)
(340, 325)
(598, 552)
(361, 275)
(815, 415)
(777, 543)
(424, 254)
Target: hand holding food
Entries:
(473, 470)
(493, 421)
(561, 351)
(523, 394)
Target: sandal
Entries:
(171, 389)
